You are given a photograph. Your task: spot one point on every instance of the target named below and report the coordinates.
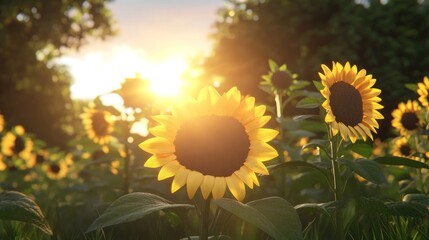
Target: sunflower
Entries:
(15, 144)
(56, 169)
(213, 143)
(402, 148)
(351, 103)
(422, 90)
(98, 125)
(279, 77)
(136, 93)
(406, 117)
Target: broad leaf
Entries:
(411, 86)
(417, 197)
(401, 161)
(291, 164)
(325, 208)
(273, 215)
(18, 207)
(318, 84)
(304, 117)
(308, 102)
(404, 209)
(322, 144)
(299, 85)
(361, 148)
(132, 207)
(368, 169)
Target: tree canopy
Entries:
(35, 92)
(390, 40)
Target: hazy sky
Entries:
(150, 32)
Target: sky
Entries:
(153, 36)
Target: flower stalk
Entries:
(279, 111)
(204, 219)
(338, 195)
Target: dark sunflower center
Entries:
(40, 158)
(346, 103)
(212, 145)
(281, 79)
(99, 124)
(410, 121)
(19, 145)
(405, 150)
(54, 168)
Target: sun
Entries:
(166, 77)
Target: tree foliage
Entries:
(34, 91)
(387, 39)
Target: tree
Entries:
(35, 92)
(388, 40)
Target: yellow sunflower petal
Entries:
(156, 161)
(207, 186)
(194, 182)
(179, 179)
(219, 187)
(168, 170)
(236, 187)
(157, 145)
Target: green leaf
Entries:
(417, 197)
(319, 86)
(361, 148)
(411, 86)
(291, 164)
(368, 169)
(220, 237)
(325, 208)
(299, 85)
(404, 209)
(273, 65)
(322, 144)
(131, 207)
(308, 102)
(16, 206)
(273, 215)
(400, 161)
(304, 117)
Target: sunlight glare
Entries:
(165, 77)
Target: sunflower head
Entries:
(136, 92)
(422, 90)
(402, 147)
(406, 118)
(56, 168)
(98, 125)
(213, 142)
(17, 144)
(279, 78)
(351, 102)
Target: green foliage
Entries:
(18, 207)
(132, 207)
(273, 215)
(385, 39)
(34, 91)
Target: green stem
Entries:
(279, 109)
(204, 219)
(127, 159)
(337, 185)
(126, 184)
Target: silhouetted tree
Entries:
(389, 40)
(34, 91)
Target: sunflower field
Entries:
(220, 165)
